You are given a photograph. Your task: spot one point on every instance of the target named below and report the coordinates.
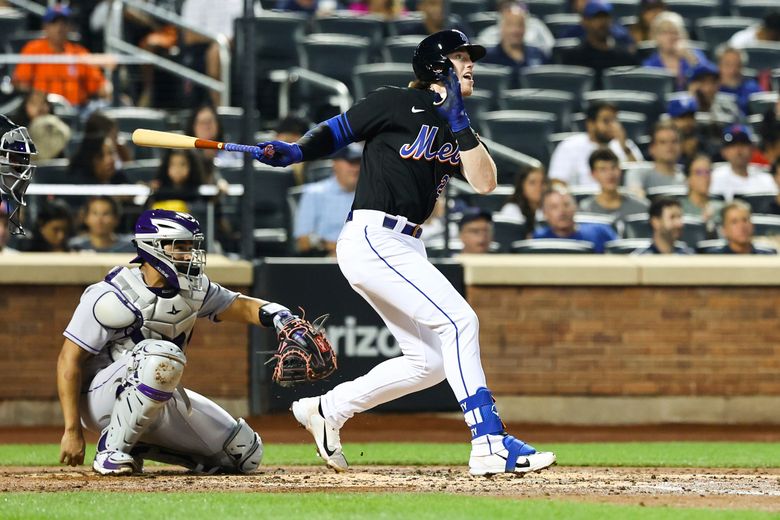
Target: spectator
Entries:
(101, 221)
(617, 32)
(525, 204)
(95, 162)
(766, 31)
(770, 136)
(433, 19)
(324, 205)
(738, 177)
(302, 6)
(674, 52)
(648, 10)
(387, 9)
(698, 203)
(738, 231)
(178, 179)
(53, 228)
(609, 201)
(35, 104)
(76, 83)
(559, 209)
(99, 125)
(682, 113)
(476, 231)
(666, 219)
(5, 234)
(704, 84)
(202, 52)
(205, 124)
(512, 51)
(569, 161)
(730, 62)
(51, 135)
(665, 149)
(598, 49)
(536, 33)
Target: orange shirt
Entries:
(75, 82)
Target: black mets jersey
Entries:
(410, 153)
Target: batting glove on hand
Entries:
(278, 153)
(453, 109)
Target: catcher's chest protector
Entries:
(170, 319)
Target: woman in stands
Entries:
(178, 179)
(53, 228)
(524, 205)
(95, 162)
(674, 51)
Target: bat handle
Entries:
(233, 147)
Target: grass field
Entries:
(336, 498)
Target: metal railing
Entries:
(286, 78)
(114, 42)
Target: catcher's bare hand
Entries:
(72, 448)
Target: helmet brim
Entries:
(476, 52)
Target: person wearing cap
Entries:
(619, 33)
(674, 53)
(739, 177)
(512, 51)
(78, 83)
(476, 231)
(598, 49)
(559, 209)
(324, 205)
(704, 84)
(648, 10)
(737, 229)
(766, 31)
(730, 63)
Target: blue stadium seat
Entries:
(523, 130)
(764, 55)
(645, 79)
(569, 78)
(556, 102)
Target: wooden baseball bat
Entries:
(157, 139)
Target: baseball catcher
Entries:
(16, 169)
(121, 364)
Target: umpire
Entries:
(416, 139)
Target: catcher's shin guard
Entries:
(244, 449)
(153, 373)
(492, 449)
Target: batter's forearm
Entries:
(479, 169)
(69, 390)
(317, 143)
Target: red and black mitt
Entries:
(304, 354)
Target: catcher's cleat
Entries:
(515, 457)
(308, 413)
(112, 462)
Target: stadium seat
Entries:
(581, 193)
(53, 171)
(752, 8)
(582, 217)
(621, 8)
(694, 230)
(405, 23)
(144, 170)
(477, 104)
(561, 46)
(492, 201)
(526, 131)
(560, 24)
(556, 102)
(576, 80)
(130, 118)
(464, 8)
(231, 119)
(276, 38)
(694, 9)
(715, 30)
(345, 22)
(710, 246)
(759, 202)
(626, 246)
(627, 100)
(638, 226)
(645, 79)
(635, 125)
(367, 78)
(481, 21)
(494, 78)
(12, 21)
(761, 102)
(543, 8)
(765, 225)
(400, 49)
(763, 56)
(506, 231)
(334, 55)
(271, 209)
(676, 192)
(552, 246)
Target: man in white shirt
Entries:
(569, 161)
(536, 33)
(766, 31)
(738, 176)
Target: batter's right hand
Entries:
(278, 153)
(72, 448)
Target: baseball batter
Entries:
(123, 357)
(416, 139)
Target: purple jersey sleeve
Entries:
(84, 329)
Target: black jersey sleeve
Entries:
(373, 114)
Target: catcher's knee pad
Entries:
(154, 371)
(244, 448)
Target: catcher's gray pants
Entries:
(201, 434)
(435, 327)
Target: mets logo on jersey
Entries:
(422, 148)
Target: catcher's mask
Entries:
(16, 169)
(170, 242)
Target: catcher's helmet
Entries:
(16, 169)
(430, 61)
(182, 268)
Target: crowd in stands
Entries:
(697, 166)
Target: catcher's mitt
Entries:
(304, 353)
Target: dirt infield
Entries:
(716, 488)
